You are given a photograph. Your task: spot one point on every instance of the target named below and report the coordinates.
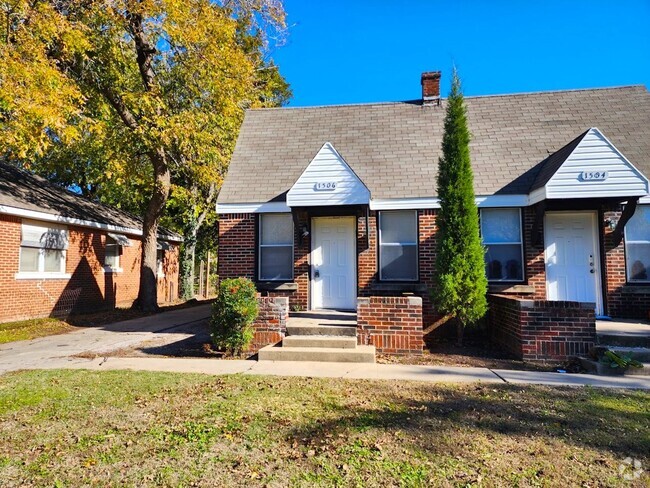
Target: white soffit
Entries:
(328, 180)
(594, 169)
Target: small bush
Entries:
(233, 313)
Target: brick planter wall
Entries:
(392, 324)
(541, 330)
(271, 323)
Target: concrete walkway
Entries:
(59, 351)
(433, 374)
(46, 352)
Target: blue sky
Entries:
(366, 51)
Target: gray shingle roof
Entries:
(23, 190)
(394, 147)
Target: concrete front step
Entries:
(603, 369)
(641, 354)
(624, 340)
(336, 342)
(360, 354)
(321, 330)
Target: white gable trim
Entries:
(594, 154)
(328, 180)
(260, 207)
(433, 202)
(47, 217)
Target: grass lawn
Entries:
(72, 428)
(31, 329)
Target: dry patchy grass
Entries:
(72, 428)
(31, 329)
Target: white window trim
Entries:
(41, 273)
(160, 264)
(520, 244)
(107, 267)
(38, 275)
(260, 246)
(416, 244)
(626, 242)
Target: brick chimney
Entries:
(431, 88)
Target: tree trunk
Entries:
(148, 294)
(460, 331)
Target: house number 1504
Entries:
(594, 175)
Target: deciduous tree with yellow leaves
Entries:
(142, 97)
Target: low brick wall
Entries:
(541, 330)
(271, 323)
(392, 324)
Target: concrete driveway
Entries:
(56, 351)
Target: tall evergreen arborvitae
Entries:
(461, 284)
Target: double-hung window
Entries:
(502, 238)
(113, 251)
(112, 254)
(398, 245)
(637, 245)
(275, 247)
(42, 249)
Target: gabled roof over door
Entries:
(590, 166)
(328, 180)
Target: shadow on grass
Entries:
(575, 416)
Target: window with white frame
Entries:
(637, 245)
(43, 248)
(398, 245)
(275, 247)
(112, 254)
(160, 260)
(502, 238)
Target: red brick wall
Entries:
(236, 246)
(271, 324)
(89, 288)
(392, 324)
(540, 330)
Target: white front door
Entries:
(333, 263)
(572, 257)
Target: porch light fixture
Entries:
(304, 232)
(611, 223)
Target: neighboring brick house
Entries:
(61, 253)
(327, 205)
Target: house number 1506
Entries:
(325, 185)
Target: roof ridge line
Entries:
(418, 101)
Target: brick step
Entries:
(322, 330)
(360, 354)
(599, 368)
(336, 342)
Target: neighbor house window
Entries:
(160, 260)
(637, 245)
(43, 248)
(113, 251)
(276, 247)
(398, 245)
(112, 254)
(501, 235)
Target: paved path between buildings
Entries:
(59, 351)
(45, 352)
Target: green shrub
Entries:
(233, 313)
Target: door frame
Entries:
(598, 259)
(353, 258)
